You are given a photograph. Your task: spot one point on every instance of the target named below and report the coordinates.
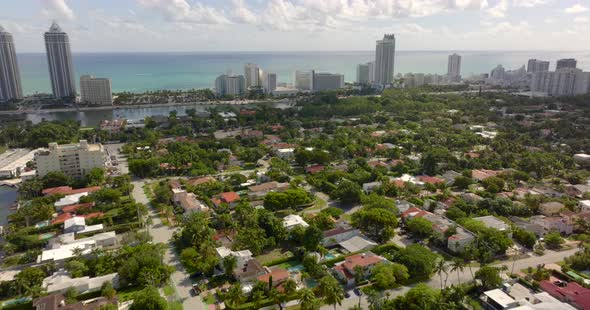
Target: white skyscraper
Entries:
(535, 65)
(270, 82)
(498, 73)
(59, 58)
(385, 59)
(362, 74)
(454, 68)
(371, 65)
(563, 82)
(229, 85)
(95, 90)
(253, 74)
(327, 81)
(303, 80)
(10, 83)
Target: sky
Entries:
(300, 25)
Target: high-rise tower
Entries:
(454, 68)
(59, 58)
(10, 83)
(384, 59)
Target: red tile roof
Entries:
(76, 207)
(229, 197)
(278, 275)
(93, 215)
(61, 218)
(430, 180)
(361, 259)
(418, 212)
(482, 174)
(67, 190)
(573, 293)
(199, 181)
(314, 169)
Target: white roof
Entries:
(287, 150)
(224, 252)
(70, 199)
(293, 220)
(500, 297)
(61, 280)
(66, 251)
(74, 221)
(91, 228)
(357, 243)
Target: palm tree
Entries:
(458, 265)
(235, 296)
(77, 252)
(331, 290)
(277, 297)
(257, 297)
(308, 301)
(229, 264)
(440, 268)
(290, 287)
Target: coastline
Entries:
(137, 106)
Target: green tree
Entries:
(458, 265)
(387, 276)
(379, 224)
(527, 238)
(55, 179)
(420, 227)
(441, 267)
(331, 290)
(235, 295)
(493, 184)
(229, 264)
(489, 276)
(553, 240)
(28, 280)
(76, 268)
(419, 260)
(107, 290)
(312, 238)
(462, 182)
(308, 301)
(95, 177)
(148, 299)
(347, 192)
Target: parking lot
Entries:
(117, 158)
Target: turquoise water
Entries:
(296, 268)
(21, 300)
(148, 71)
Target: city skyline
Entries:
(300, 25)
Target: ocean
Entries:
(138, 72)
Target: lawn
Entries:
(273, 256)
(289, 264)
(169, 290)
(209, 299)
(128, 293)
(175, 305)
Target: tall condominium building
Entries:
(230, 85)
(10, 83)
(75, 160)
(327, 81)
(303, 80)
(498, 73)
(270, 82)
(566, 63)
(385, 59)
(362, 74)
(253, 75)
(95, 90)
(563, 82)
(371, 65)
(454, 68)
(59, 58)
(535, 65)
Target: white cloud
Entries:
(182, 12)
(242, 14)
(499, 10)
(549, 20)
(528, 3)
(57, 9)
(581, 20)
(576, 8)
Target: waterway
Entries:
(93, 118)
(8, 197)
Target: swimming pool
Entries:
(295, 268)
(17, 301)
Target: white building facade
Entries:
(10, 82)
(75, 160)
(59, 58)
(385, 60)
(95, 90)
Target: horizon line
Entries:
(311, 51)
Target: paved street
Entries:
(465, 276)
(163, 234)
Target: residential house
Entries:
(369, 187)
(251, 270)
(200, 181)
(285, 154)
(77, 224)
(577, 190)
(550, 223)
(460, 240)
(449, 176)
(292, 220)
(61, 281)
(242, 257)
(357, 243)
(68, 190)
(523, 224)
(313, 169)
(188, 202)
(482, 174)
(471, 197)
(259, 191)
(363, 262)
(334, 236)
(229, 198)
(584, 205)
(279, 276)
(551, 208)
(491, 221)
(58, 302)
(64, 246)
(571, 292)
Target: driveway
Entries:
(163, 234)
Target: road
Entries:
(465, 276)
(163, 234)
